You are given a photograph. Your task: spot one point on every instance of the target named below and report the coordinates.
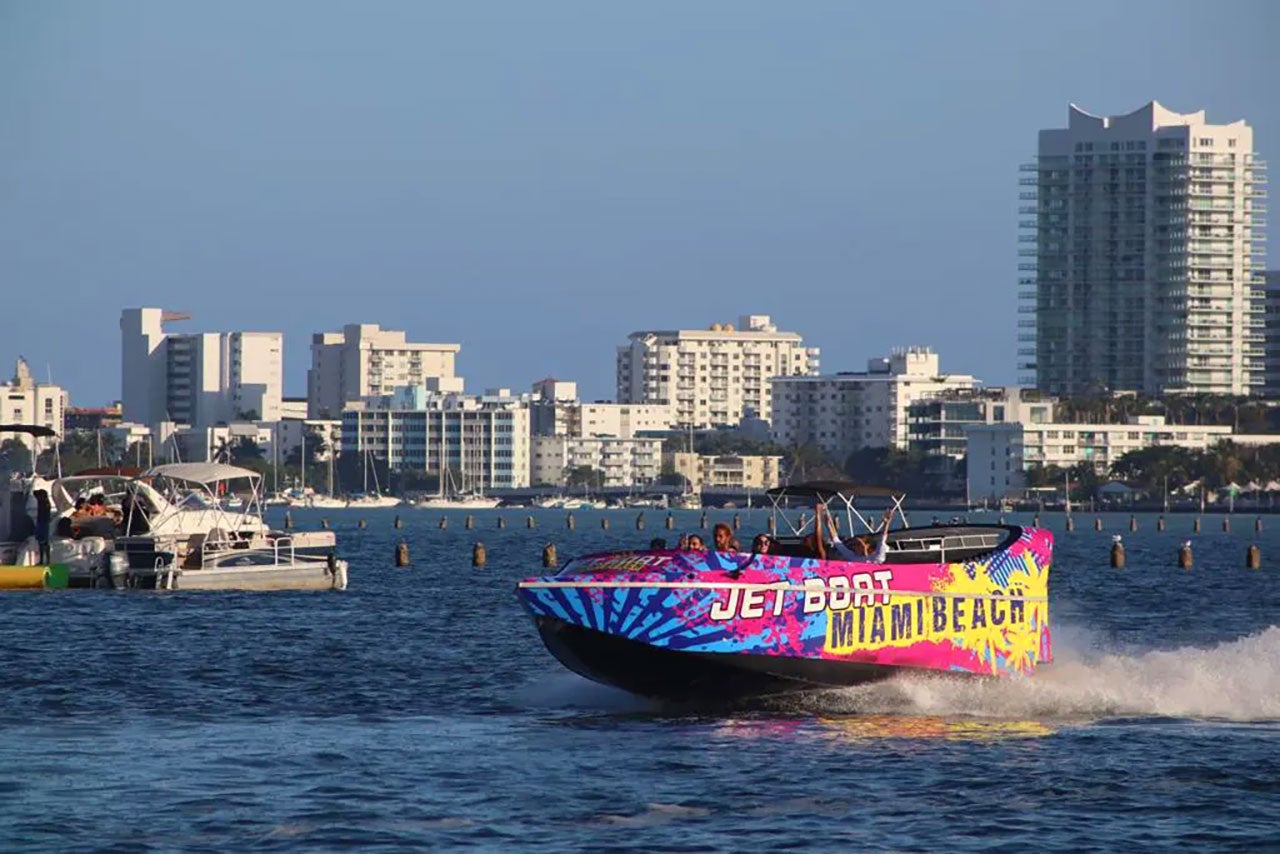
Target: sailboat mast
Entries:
(302, 458)
(275, 458)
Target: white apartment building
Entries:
(199, 379)
(938, 426)
(1141, 265)
(727, 471)
(558, 412)
(483, 439)
(366, 360)
(24, 401)
(623, 461)
(710, 376)
(842, 413)
(999, 454)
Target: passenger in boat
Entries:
(724, 537)
(696, 544)
(683, 545)
(44, 516)
(814, 547)
(97, 505)
(875, 546)
(134, 520)
(657, 544)
(762, 544)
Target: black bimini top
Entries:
(825, 490)
(29, 429)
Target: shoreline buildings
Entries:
(197, 379)
(25, 401)
(1141, 268)
(483, 440)
(365, 360)
(1000, 454)
(710, 377)
(569, 433)
(845, 412)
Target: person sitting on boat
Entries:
(657, 544)
(814, 547)
(880, 551)
(695, 544)
(839, 551)
(762, 544)
(724, 537)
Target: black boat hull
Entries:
(651, 671)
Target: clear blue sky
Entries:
(535, 180)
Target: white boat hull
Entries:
(311, 575)
(458, 504)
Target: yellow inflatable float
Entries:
(33, 577)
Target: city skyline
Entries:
(535, 185)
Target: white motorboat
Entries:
(457, 502)
(560, 502)
(177, 536)
(373, 500)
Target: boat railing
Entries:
(976, 542)
(277, 544)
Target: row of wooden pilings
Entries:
(480, 557)
(469, 522)
(1160, 524)
(1186, 558)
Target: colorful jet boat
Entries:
(957, 598)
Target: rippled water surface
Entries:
(419, 709)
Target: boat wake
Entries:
(1233, 681)
(1236, 680)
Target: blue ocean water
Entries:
(419, 710)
